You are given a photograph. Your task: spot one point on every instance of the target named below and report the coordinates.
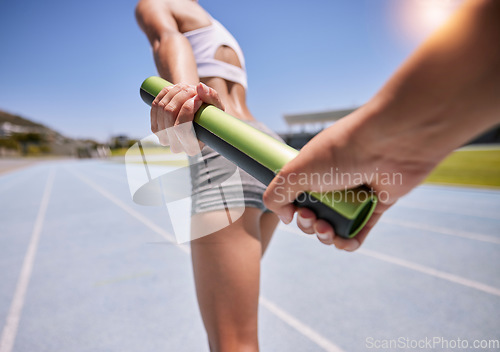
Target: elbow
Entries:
(166, 40)
(139, 13)
(156, 44)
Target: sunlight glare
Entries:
(418, 18)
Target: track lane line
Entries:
(305, 330)
(9, 332)
(431, 272)
(413, 225)
(413, 266)
(281, 314)
(155, 228)
(442, 230)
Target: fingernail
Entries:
(285, 219)
(304, 222)
(352, 246)
(323, 236)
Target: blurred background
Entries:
(70, 70)
(106, 277)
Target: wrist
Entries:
(390, 133)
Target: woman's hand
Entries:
(172, 114)
(344, 156)
(445, 94)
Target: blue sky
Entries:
(76, 66)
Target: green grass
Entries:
(119, 152)
(149, 150)
(466, 167)
(469, 167)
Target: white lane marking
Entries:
(280, 313)
(430, 271)
(442, 230)
(412, 266)
(13, 318)
(305, 330)
(132, 212)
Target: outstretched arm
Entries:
(446, 93)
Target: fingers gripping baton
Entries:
(262, 156)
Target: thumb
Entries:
(209, 95)
(281, 193)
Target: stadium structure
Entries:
(302, 127)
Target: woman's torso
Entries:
(190, 16)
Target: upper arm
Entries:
(155, 19)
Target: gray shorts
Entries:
(209, 170)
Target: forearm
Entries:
(174, 59)
(446, 93)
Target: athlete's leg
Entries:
(226, 268)
(268, 223)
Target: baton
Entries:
(262, 157)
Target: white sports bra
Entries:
(205, 41)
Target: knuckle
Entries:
(287, 176)
(188, 106)
(267, 197)
(213, 94)
(169, 108)
(184, 87)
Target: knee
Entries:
(235, 345)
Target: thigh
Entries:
(226, 268)
(268, 223)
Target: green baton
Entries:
(262, 156)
